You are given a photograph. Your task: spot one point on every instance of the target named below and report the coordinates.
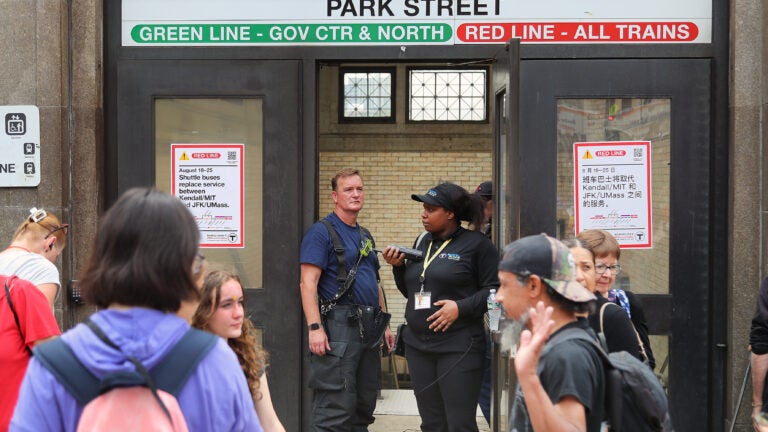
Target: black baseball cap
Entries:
(442, 195)
(485, 189)
(549, 259)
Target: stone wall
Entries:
(52, 59)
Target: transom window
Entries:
(367, 95)
(448, 95)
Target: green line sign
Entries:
(229, 34)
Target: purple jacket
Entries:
(215, 398)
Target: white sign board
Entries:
(612, 190)
(412, 22)
(20, 146)
(208, 178)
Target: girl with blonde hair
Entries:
(36, 245)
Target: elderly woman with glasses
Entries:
(607, 318)
(606, 251)
(36, 244)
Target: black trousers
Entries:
(447, 386)
(346, 379)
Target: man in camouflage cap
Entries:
(561, 383)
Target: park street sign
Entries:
(150, 23)
(20, 146)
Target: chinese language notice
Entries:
(612, 190)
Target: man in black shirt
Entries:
(561, 383)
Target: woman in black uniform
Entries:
(447, 291)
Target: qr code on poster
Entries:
(638, 152)
(232, 155)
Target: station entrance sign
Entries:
(413, 22)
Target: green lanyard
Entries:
(428, 261)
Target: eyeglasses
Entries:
(197, 265)
(62, 227)
(600, 268)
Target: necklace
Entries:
(18, 247)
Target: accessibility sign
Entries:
(208, 179)
(20, 146)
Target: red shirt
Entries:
(37, 322)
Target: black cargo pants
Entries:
(346, 379)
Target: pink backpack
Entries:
(139, 400)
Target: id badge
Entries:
(422, 300)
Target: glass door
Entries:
(612, 103)
(224, 137)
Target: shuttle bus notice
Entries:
(612, 190)
(208, 179)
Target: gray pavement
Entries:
(396, 412)
(402, 423)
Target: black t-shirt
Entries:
(567, 368)
(465, 270)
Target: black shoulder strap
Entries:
(170, 374)
(338, 247)
(419, 239)
(368, 236)
(15, 315)
(576, 333)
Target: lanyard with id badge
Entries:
(423, 299)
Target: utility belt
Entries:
(371, 321)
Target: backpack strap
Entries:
(419, 239)
(169, 375)
(373, 244)
(179, 364)
(58, 358)
(602, 312)
(15, 315)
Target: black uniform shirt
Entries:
(464, 271)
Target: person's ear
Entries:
(536, 286)
(51, 241)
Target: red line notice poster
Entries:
(208, 178)
(612, 190)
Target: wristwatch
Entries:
(315, 326)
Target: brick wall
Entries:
(390, 178)
(396, 160)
